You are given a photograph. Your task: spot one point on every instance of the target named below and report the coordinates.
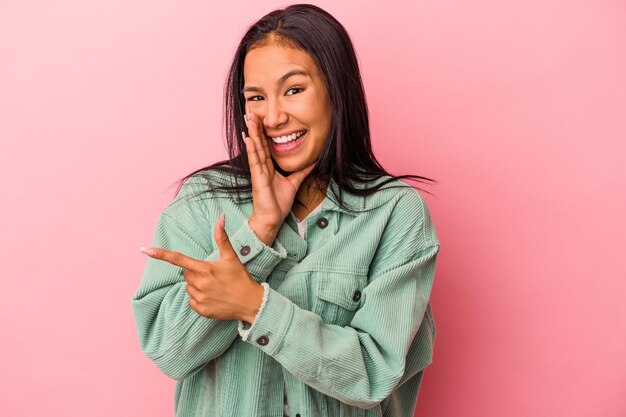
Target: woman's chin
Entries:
(286, 168)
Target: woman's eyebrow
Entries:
(280, 80)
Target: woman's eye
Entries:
(254, 98)
(296, 89)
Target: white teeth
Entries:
(288, 138)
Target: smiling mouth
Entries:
(281, 140)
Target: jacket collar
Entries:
(355, 202)
(331, 201)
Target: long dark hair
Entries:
(347, 156)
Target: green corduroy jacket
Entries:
(347, 329)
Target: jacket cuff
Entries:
(271, 323)
(258, 258)
(242, 327)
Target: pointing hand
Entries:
(221, 289)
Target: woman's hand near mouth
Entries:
(272, 193)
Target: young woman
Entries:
(293, 278)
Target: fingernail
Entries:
(222, 220)
(148, 251)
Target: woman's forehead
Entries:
(273, 61)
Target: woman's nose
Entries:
(275, 115)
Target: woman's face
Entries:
(285, 88)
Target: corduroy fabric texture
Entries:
(347, 328)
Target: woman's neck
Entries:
(310, 195)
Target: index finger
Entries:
(258, 136)
(175, 258)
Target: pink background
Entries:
(518, 109)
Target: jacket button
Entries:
(356, 296)
(263, 340)
(322, 222)
(245, 250)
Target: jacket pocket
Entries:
(338, 296)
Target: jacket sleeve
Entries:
(171, 333)
(362, 363)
